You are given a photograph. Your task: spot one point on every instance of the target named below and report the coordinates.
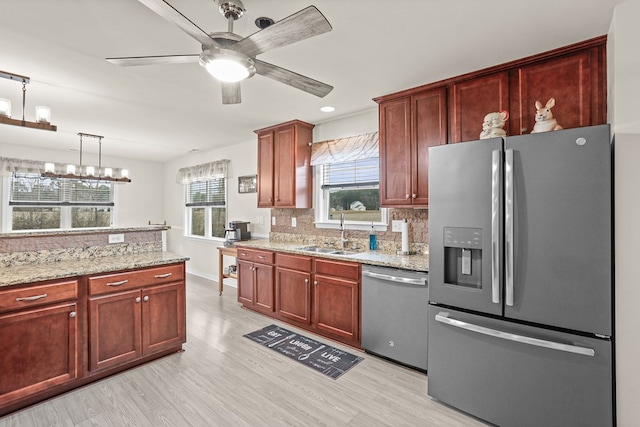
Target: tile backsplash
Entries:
(306, 232)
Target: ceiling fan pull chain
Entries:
(24, 97)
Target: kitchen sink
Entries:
(321, 250)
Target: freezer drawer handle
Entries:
(443, 317)
(389, 278)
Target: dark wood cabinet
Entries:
(293, 295)
(471, 100)
(453, 110)
(135, 314)
(40, 336)
(284, 170)
(255, 280)
(336, 299)
(408, 127)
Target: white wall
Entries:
(354, 124)
(624, 111)
(137, 203)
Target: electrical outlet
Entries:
(116, 238)
(273, 220)
(294, 221)
(260, 219)
(396, 225)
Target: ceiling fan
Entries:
(232, 58)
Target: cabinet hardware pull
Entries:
(72, 314)
(413, 196)
(146, 298)
(407, 196)
(138, 299)
(243, 253)
(315, 282)
(33, 298)
(162, 276)
(122, 282)
(261, 256)
(306, 281)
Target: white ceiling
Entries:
(161, 112)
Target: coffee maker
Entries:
(237, 231)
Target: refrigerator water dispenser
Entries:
(463, 256)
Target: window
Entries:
(350, 189)
(39, 203)
(206, 208)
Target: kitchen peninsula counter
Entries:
(28, 273)
(417, 262)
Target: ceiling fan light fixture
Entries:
(227, 66)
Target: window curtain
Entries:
(203, 172)
(8, 166)
(348, 149)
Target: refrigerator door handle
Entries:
(495, 226)
(508, 225)
(443, 317)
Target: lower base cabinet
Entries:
(55, 336)
(317, 294)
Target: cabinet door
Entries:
(471, 100)
(246, 294)
(336, 306)
(265, 170)
(395, 152)
(428, 128)
(39, 350)
(163, 317)
(293, 297)
(284, 167)
(264, 300)
(569, 80)
(114, 329)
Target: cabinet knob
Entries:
(414, 195)
(72, 314)
(138, 299)
(315, 282)
(306, 281)
(523, 130)
(146, 298)
(407, 196)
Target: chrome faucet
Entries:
(342, 238)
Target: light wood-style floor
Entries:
(224, 379)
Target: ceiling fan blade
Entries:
(171, 14)
(306, 23)
(130, 61)
(231, 93)
(290, 78)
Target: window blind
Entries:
(34, 190)
(207, 193)
(358, 173)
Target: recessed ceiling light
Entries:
(327, 109)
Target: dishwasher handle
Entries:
(397, 279)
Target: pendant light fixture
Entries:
(43, 114)
(87, 172)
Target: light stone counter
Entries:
(418, 262)
(28, 273)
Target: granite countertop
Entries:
(38, 233)
(417, 262)
(57, 270)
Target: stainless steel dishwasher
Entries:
(395, 314)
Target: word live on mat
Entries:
(323, 358)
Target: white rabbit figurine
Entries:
(493, 124)
(544, 118)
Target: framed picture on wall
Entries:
(247, 184)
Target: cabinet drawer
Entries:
(264, 257)
(294, 262)
(346, 270)
(38, 295)
(134, 279)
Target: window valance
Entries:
(345, 149)
(203, 172)
(8, 166)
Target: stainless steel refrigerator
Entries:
(521, 278)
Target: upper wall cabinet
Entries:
(284, 170)
(408, 127)
(574, 75)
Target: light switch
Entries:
(294, 221)
(273, 220)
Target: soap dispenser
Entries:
(373, 241)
